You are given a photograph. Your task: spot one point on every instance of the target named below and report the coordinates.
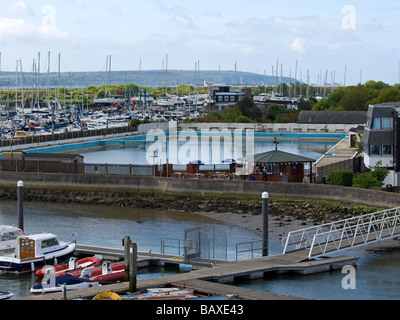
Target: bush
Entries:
(366, 181)
(374, 178)
(340, 177)
(243, 119)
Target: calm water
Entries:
(104, 226)
(377, 276)
(133, 154)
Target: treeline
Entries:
(246, 111)
(88, 94)
(358, 98)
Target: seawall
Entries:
(111, 183)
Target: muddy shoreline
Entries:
(285, 214)
(281, 210)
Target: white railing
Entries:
(345, 234)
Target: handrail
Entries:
(346, 233)
(252, 249)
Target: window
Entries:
(382, 123)
(232, 98)
(376, 123)
(386, 123)
(374, 150)
(387, 150)
(49, 243)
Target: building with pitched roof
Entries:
(278, 166)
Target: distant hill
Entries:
(155, 78)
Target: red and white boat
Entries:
(110, 273)
(107, 273)
(74, 265)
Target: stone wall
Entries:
(292, 190)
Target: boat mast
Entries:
(48, 83)
(16, 87)
(38, 81)
(58, 80)
(109, 78)
(166, 75)
(33, 83)
(105, 87)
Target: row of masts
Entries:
(295, 89)
(36, 77)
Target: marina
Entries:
(242, 273)
(226, 272)
(219, 272)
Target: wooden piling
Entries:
(133, 267)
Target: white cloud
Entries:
(298, 45)
(183, 19)
(17, 30)
(19, 7)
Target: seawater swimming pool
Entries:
(139, 149)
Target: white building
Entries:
(382, 139)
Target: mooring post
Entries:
(21, 205)
(126, 243)
(265, 197)
(133, 267)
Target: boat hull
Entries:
(116, 276)
(70, 282)
(15, 265)
(63, 269)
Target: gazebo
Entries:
(277, 166)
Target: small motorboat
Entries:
(6, 295)
(32, 252)
(97, 271)
(109, 274)
(72, 266)
(51, 283)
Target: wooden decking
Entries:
(214, 280)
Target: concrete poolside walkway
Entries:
(340, 152)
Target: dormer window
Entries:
(382, 123)
(376, 123)
(387, 123)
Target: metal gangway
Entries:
(345, 234)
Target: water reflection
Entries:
(107, 226)
(136, 154)
(377, 278)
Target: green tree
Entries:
(366, 181)
(274, 110)
(374, 178)
(379, 173)
(354, 99)
(230, 114)
(248, 108)
(304, 105)
(211, 117)
(243, 119)
(387, 95)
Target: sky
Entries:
(349, 41)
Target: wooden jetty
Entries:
(214, 280)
